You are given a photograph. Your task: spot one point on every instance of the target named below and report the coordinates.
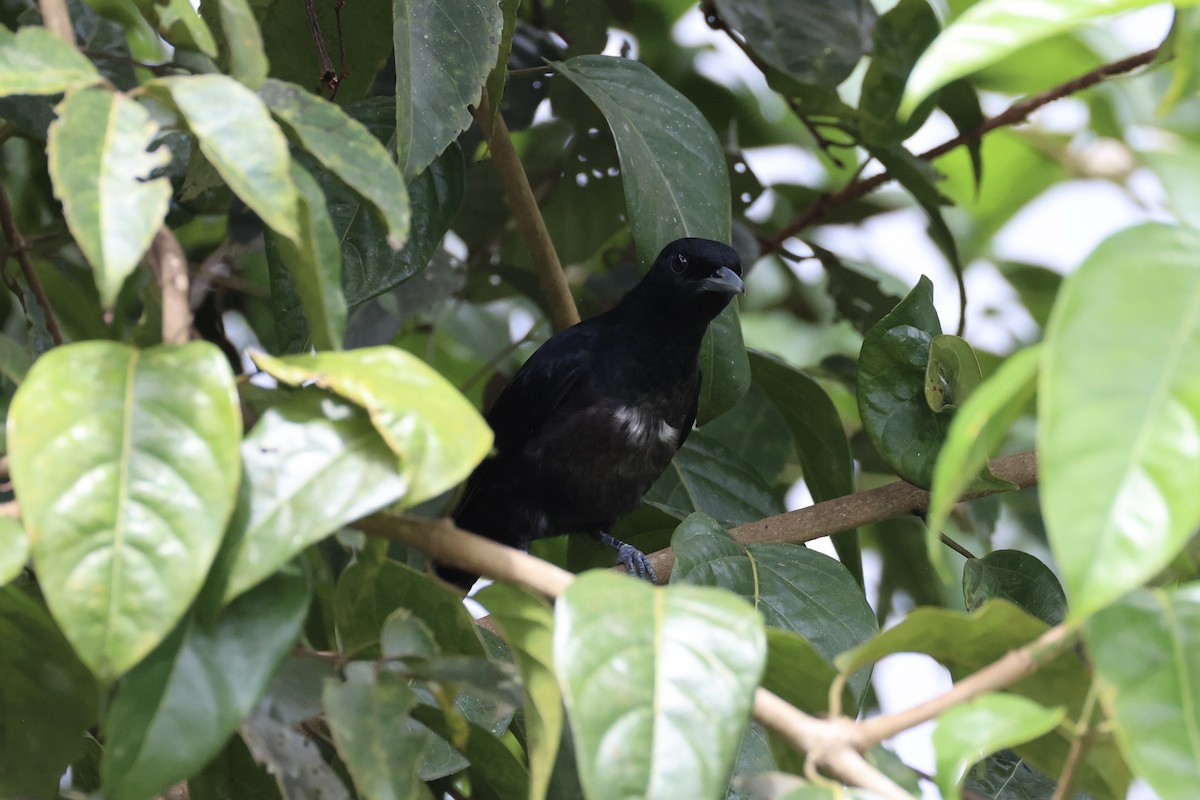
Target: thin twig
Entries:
(1016, 113)
(170, 269)
(20, 250)
(956, 547)
(1084, 733)
(563, 312)
(328, 73)
(342, 71)
(57, 19)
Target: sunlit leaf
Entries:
(35, 61)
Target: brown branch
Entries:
(1009, 669)
(19, 249)
(329, 75)
(563, 312)
(1016, 113)
(862, 508)
(57, 19)
(171, 270)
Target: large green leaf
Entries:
(527, 622)
(707, 476)
(35, 61)
(793, 587)
(364, 715)
(48, 699)
(900, 36)
(346, 149)
(965, 643)
(99, 163)
(310, 310)
(1119, 413)
(811, 41)
(176, 709)
(1146, 649)
(982, 726)
(905, 431)
(241, 142)
(676, 185)
(312, 464)
(444, 52)
(800, 674)
(437, 434)
(992, 30)
(239, 42)
(658, 684)
(14, 549)
(126, 466)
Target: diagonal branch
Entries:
(19, 249)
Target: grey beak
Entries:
(724, 281)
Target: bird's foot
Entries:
(636, 562)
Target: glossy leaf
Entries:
(979, 727)
(662, 140)
(706, 476)
(126, 466)
(440, 72)
(900, 37)
(196, 688)
(1146, 648)
(978, 428)
(437, 434)
(800, 674)
(99, 157)
(1007, 776)
(658, 684)
(527, 622)
(811, 41)
(793, 587)
(35, 61)
(312, 464)
(49, 699)
(952, 373)
(309, 306)
(239, 41)
(1017, 577)
(242, 143)
(14, 549)
(991, 31)
(346, 149)
(380, 754)
(494, 770)
(1125, 362)
(905, 431)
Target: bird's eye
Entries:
(679, 264)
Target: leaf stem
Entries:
(19, 249)
(171, 270)
(1084, 734)
(57, 19)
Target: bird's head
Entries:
(696, 276)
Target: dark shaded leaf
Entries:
(1019, 578)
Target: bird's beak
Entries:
(724, 281)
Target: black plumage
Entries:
(597, 412)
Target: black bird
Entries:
(597, 412)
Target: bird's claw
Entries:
(636, 563)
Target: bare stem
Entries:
(170, 268)
(57, 19)
(18, 248)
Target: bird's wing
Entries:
(686, 430)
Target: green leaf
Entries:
(798, 673)
(437, 434)
(35, 61)
(952, 373)
(905, 431)
(99, 161)
(196, 688)
(1118, 413)
(14, 549)
(1184, 42)
(960, 101)
(978, 428)
(440, 72)
(499, 74)
(965, 643)
(495, 771)
(527, 623)
(706, 476)
(49, 699)
(346, 149)
(794, 588)
(126, 466)
(676, 185)
(240, 46)
(1006, 776)
(380, 754)
(178, 23)
(811, 41)
(312, 464)
(966, 733)
(1146, 648)
(1018, 578)
(658, 684)
(367, 593)
(299, 768)
(820, 441)
(991, 31)
(900, 37)
(309, 307)
(15, 359)
(242, 142)
(1176, 163)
